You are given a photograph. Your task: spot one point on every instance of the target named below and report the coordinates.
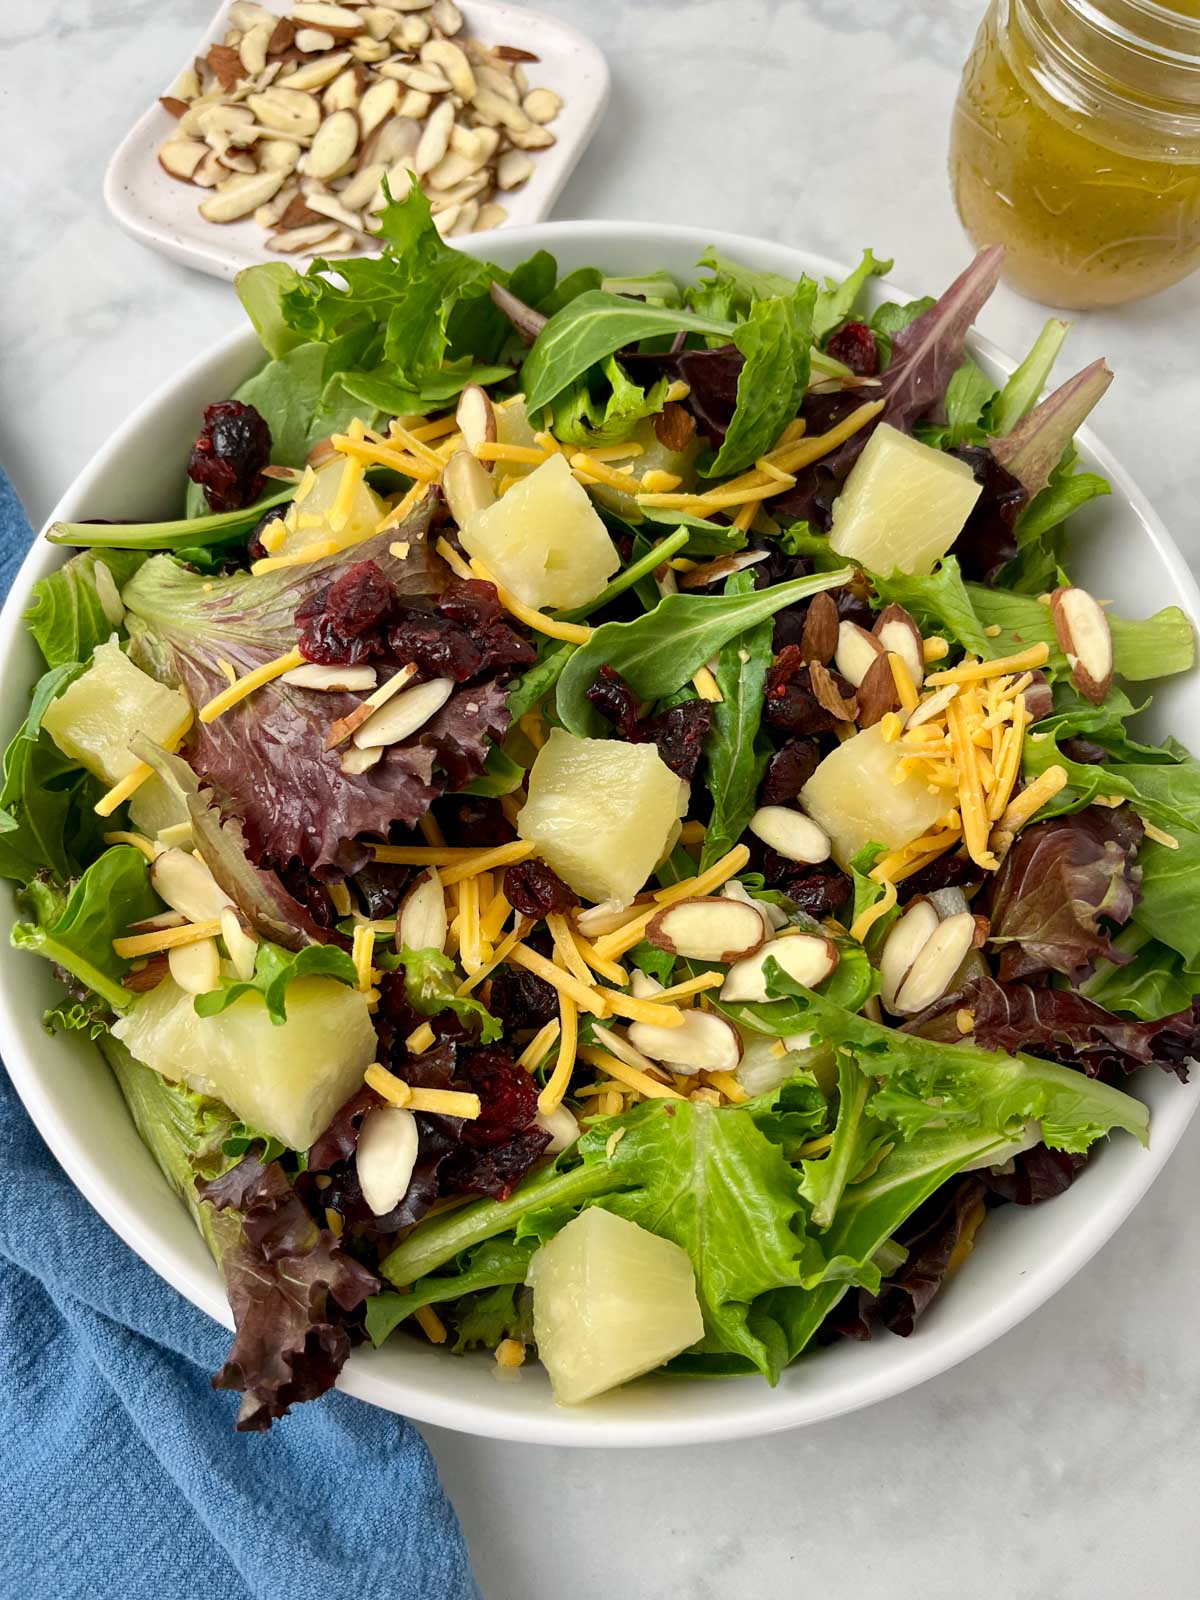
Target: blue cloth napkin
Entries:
(120, 1472)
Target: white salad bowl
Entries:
(1024, 1254)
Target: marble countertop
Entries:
(1061, 1462)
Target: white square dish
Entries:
(161, 211)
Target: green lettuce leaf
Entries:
(857, 1139)
(76, 928)
(776, 341)
(430, 986)
(736, 750)
(1153, 982)
(65, 615)
(838, 301)
(494, 1264)
(602, 406)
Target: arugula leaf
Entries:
(705, 538)
(838, 301)
(968, 395)
(176, 535)
(274, 969)
(76, 929)
(65, 615)
(430, 987)
(658, 653)
(1166, 793)
(656, 963)
(589, 328)
(434, 392)
(851, 985)
(531, 688)
(1020, 394)
(501, 775)
(584, 417)
(736, 751)
(564, 291)
(776, 340)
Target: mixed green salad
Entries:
(605, 830)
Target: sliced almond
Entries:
(372, 51)
(253, 48)
(186, 85)
(377, 102)
(422, 922)
(899, 634)
(355, 762)
(512, 52)
(187, 886)
(224, 61)
(512, 170)
(246, 14)
(496, 76)
(877, 692)
(604, 918)
(399, 182)
(490, 216)
(932, 705)
(296, 241)
(313, 40)
(562, 1127)
(404, 714)
(435, 140)
(394, 140)
(807, 957)
(468, 487)
(415, 105)
(906, 938)
(446, 16)
(819, 640)
(329, 205)
(378, 20)
(411, 33)
(220, 123)
(339, 21)
(541, 105)
(450, 60)
(939, 959)
(335, 143)
(712, 928)
(496, 109)
(313, 675)
(282, 37)
(362, 188)
(181, 157)
(147, 975)
(278, 155)
(531, 138)
(314, 74)
(476, 417)
(385, 1156)
(240, 942)
(196, 967)
(160, 920)
(342, 94)
(856, 651)
(790, 834)
(712, 571)
(458, 197)
(239, 196)
(173, 106)
(345, 726)
(1086, 640)
(703, 1042)
(452, 169)
(829, 695)
(289, 109)
(234, 160)
(625, 1050)
(774, 917)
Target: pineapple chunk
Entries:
(854, 797)
(601, 813)
(902, 506)
(514, 427)
(307, 519)
(94, 720)
(286, 1081)
(655, 457)
(544, 540)
(610, 1301)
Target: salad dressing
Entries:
(1075, 142)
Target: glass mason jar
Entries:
(1076, 143)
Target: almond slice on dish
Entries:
(1086, 640)
(476, 417)
(196, 967)
(293, 241)
(809, 958)
(791, 834)
(404, 714)
(774, 917)
(180, 157)
(450, 60)
(345, 726)
(906, 938)
(385, 1156)
(240, 941)
(335, 142)
(422, 922)
(187, 886)
(939, 959)
(703, 1042)
(314, 675)
(711, 928)
(467, 485)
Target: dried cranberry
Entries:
(536, 890)
(854, 345)
(439, 647)
(820, 890)
(507, 1096)
(1084, 751)
(947, 872)
(497, 1171)
(342, 624)
(788, 770)
(616, 701)
(520, 1000)
(679, 735)
(381, 887)
(988, 540)
(466, 635)
(228, 457)
(789, 701)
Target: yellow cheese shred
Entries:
(223, 702)
(728, 1085)
(906, 689)
(706, 686)
(867, 919)
(469, 938)
(138, 775)
(631, 1076)
(542, 1041)
(572, 632)
(502, 855)
(970, 787)
(369, 453)
(134, 945)
(556, 1085)
(647, 1010)
(975, 671)
(587, 999)
(566, 953)
(361, 953)
(430, 1324)
(1031, 800)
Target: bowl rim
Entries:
(761, 1410)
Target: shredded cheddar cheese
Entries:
(542, 1041)
(501, 855)
(972, 671)
(361, 953)
(239, 691)
(586, 998)
(706, 686)
(630, 1076)
(148, 944)
(556, 1085)
(867, 919)
(431, 1324)
(137, 840)
(139, 774)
